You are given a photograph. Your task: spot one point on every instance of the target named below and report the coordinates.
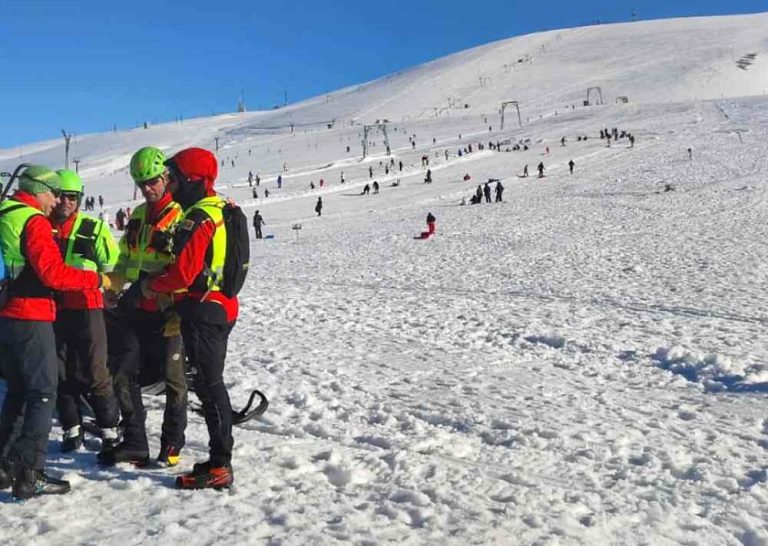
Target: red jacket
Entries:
(44, 258)
(83, 299)
(188, 265)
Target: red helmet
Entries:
(195, 165)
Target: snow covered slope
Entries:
(584, 363)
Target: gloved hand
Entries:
(164, 301)
(172, 326)
(117, 280)
(104, 281)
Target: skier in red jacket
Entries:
(207, 313)
(35, 269)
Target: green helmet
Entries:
(147, 163)
(38, 179)
(70, 181)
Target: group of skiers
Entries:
(81, 315)
(89, 203)
(484, 190)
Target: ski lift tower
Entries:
(378, 127)
(517, 107)
(67, 139)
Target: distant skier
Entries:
(366, 189)
(375, 187)
(571, 164)
(255, 193)
(319, 206)
(370, 172)
(487, 192)
(120, 219)
(428, 178)
(499, 191)
(479, 193)
(279, 181)
(690, 155)
(258, 221)
(525, 171)
(541, 169)
(101, 199)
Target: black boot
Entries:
(6, 474)
(123, 454)
(29, 482)
(72, 440)
(110, 439)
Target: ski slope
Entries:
(584, 363)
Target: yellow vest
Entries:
(211, 277)
(90, 245)
(13, 218)
(147, 247)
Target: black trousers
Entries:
(138, 354)
(30, 369)
(81, 348)
(206, 347)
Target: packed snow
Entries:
(584, 363)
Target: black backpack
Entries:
(238, 250)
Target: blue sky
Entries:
(87, 65)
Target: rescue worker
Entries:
(35, 268)
(144, 344)
(81, 337)
(207, 314)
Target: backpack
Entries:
(238, 253)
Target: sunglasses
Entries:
(70, 195)
(149, 182)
